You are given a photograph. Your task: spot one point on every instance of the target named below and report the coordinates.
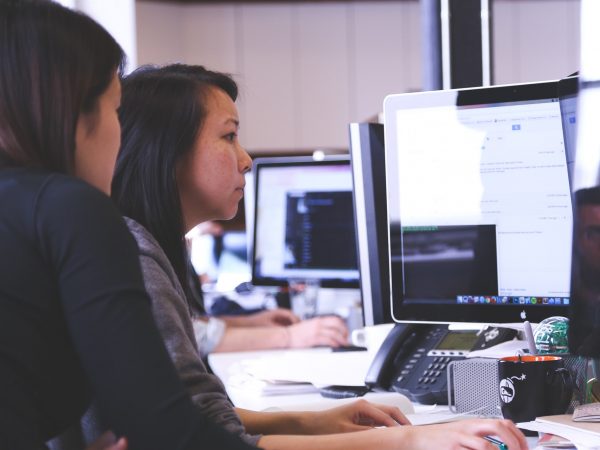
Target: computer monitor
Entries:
(249, 206)
(367, 152)
(479, 204)
(303, 222)
(584, 326)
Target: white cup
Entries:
(371, 337)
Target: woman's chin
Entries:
(231, 213)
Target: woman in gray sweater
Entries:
(181, 164)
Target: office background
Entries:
(307, 69)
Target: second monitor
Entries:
(304, 222)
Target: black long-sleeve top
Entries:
(75, 322)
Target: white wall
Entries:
(117, 16)
(307, 69)
(535, 39)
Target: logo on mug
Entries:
(507, 388)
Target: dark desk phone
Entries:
(413, 358)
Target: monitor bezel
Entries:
(290, 161)
(368, 176)
(446, 313)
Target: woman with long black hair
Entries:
(181, 164)
(75, 320)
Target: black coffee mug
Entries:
(533, 386)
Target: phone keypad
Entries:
(430, 383)
(434, 369)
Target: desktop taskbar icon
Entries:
(511, 300)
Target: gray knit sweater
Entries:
(172, 316)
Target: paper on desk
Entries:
(429, 418)
(321, 369)
(585, 436)
(508, 348)
(249, 384)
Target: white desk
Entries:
(228, 365)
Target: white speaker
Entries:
(473, 387)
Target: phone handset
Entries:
(395, 346)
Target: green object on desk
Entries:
(551, 335)
(592, 391)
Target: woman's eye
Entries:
(231, 137)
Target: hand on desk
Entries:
(327, 330)
(467, 434)
(330, 331)
(356, 416)
(464, 434)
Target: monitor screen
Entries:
(304, 221)
(479, 204)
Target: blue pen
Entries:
(501, 445)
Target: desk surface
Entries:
(231, 367)
(228, 365)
